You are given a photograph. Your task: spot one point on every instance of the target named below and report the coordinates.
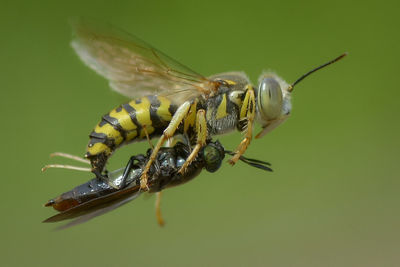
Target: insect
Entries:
(99, 196)
(169, 98)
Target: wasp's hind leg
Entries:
(247, 113)
(178, 117)
(148, 137)
(201, 129)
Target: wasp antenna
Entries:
(290, 89)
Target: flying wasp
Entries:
(169, 98)
(99, 196)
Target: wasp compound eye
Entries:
(270, 99)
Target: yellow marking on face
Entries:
(221, 111)
(98, 148)
(163, 109)
(111, 133)
(191, 117)
(123, 118)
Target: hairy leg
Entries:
(176, 120)
(246, 113)
(201, 130)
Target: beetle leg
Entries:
(247, 113)
(178, 117)
(201, 130)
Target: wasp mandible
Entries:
(169, 98)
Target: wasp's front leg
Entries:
(201, 130)
(247, 113)
(178, 117)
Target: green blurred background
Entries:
(333, 198)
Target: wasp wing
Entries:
(133, 67)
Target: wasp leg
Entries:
(159, 217)
(201, 129)
(69, 156)
(247, 113)
(148, 137)
(69, 167)
(178, 117)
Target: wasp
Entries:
(99, 196)
(169, 98)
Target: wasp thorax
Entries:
(270, 99)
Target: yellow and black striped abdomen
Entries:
(128, 123)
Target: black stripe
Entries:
(244, 95)
(98, 135)
(93, 141)
(172, 109)
(155, 119)
(102, 122)
(251, 103)
(101, 138)
(115, 124)
(132, 114)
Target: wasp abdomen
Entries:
(128, 123)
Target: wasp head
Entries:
(273, 98)
(273, 102)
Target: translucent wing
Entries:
(133, 67)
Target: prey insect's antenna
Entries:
(263, 165)
(69, 167)
(290, 89)
(69, 156)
